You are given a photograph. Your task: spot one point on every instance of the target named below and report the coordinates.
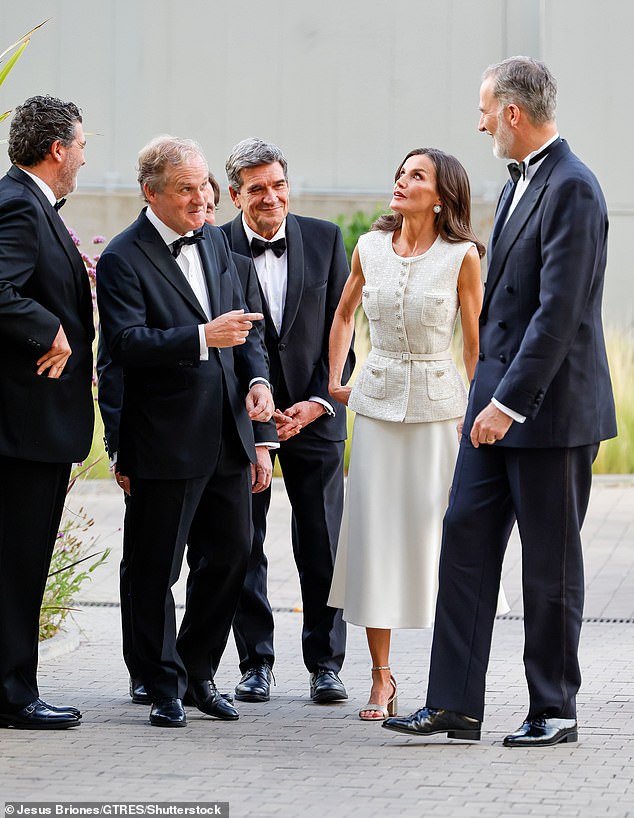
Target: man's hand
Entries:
(490, 425)
(284, 426)
(305, 411)
(122, 481)
(55, 359)
(261, 470)
(259, 402)
(231, 328)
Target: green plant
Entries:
(616, 456)
(72, 563)
(356, 225)
(17, 48)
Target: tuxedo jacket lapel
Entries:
(294, 274)
(58, 227)
(214, 274)
(504, 202)
(152, 245)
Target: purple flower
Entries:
(98, 240)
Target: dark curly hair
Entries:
(454, 220)
(36, 124)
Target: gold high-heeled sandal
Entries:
(389, 709)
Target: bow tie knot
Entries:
(59, 204)
(177, 246)
(516, 171)
(258, 247)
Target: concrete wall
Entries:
(346, 87)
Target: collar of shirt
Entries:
(281, 233)
(166, 233)
(41, 184)
(531, 169)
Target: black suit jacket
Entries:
(542, 350)
(43, 283)
(110, 375)
(171, 414)
(298, 354)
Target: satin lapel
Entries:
(152, 245)
(239, 244)
(509, 234)
(78, 267)
(501, 210)
(214, 272)
(294, 273)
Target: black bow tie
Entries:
(517, 170)
(59, 204)
(258, 247)
(176, 246)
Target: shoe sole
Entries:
(19, 726)
(464, 735)
(141, 699)
(567, 738)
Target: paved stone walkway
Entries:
(292, 758)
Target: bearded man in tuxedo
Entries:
(540, 402)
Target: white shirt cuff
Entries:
(324, 403)
(269, 445)
(260, 380)
(513, 415)
(204, 349)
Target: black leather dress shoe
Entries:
(73, 710)
(255, 684)
(428, 720)
(204, 695)
(168, 713)
(138, 693)
(39, 716)
(326, 686)
(543, 732)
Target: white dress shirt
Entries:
(273, 277)
(42, 185)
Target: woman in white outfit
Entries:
(412, 273)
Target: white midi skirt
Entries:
(386, 568)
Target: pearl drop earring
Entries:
(437, 208)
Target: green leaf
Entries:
(12, 61)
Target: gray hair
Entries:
(162, 153)
(36, 124)
(525, 82)
(248, 154)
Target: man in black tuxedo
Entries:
(46, 413)
(173, 316)
(110, 396)
(301, 267)
(540, 402)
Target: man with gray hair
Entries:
(539, 404)
(173, 316)
(46, 412)
(301, 267)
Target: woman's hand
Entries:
(340, 393)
